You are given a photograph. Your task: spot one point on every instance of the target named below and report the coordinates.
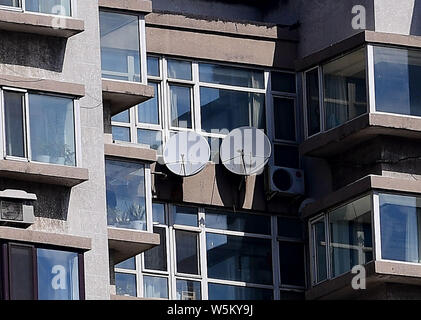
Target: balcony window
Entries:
(56, 7)
(39, 127)
(400, 218)
(345, 88)
(397, 78)
(155, 287)
(120, 46)
(313, 101)
(126, 194)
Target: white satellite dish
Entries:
(186, 153)
(245, 151)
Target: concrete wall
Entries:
(82, 210)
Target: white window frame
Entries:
(27, 124)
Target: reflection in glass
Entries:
(120, 53)
(237, 221)
(185, 216)
(180, 99)
(291, 256)
(121, 133)
(225, 292)
(155, 287)
(239, 258)
(10, 3)
(153, 66)
(158, 212)
(148, 111)
(313, 102)
(320, 250)
(125, 284)
(14, 123)
(187, 252)
(232, 76)
(122, 117)
(397, 80)
(59, 7)
(284, 118)
(400, 221)
(151, 138)
(156, 258)
(345, 88)
(178, 69)
(188, 290)
(126, 203)
(350, 234)
(21, 273)
(58, 275)
(129, 264)
(226, 109)
(52, 129)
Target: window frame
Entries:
(27, 126)
(22, 8)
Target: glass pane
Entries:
(345, 88)
(122, 117)
(14, 123)
(178, 69)
(129, 264)
(400, 218)
(239, 258)
(126, 202)
(10, 3)
(60, 7)
(233, 76)
(188, 290)
(350, 234)
(284, 117)
(180, 98)
(283, 82)
(156, 258)
(153, 66)
(320, 250)
(185, 216)
(237, 221)
(286, 156)
(155, 287)
(397, 78)
(58, 275)
(290, 228)
(120, 53)
(187, 252)
(151, 138)
(313, 103)
(225, 292)
(158, 212)
(148, 111)
(291, 256)
(121, 133)
(21, 273)
(226, 109)
(52, 129)
(125, 284)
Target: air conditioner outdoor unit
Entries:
(286, 181)
(16, 208)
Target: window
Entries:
(121, 56)
(312, 101)
(397, 73)
(56, 7)
(126, 194)
(349, 239)
(125, 284)
(37, 273)
(39, 127)
(238, 252)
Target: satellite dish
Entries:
(186, 153)
(245, 151)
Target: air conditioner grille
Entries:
(12, 211)
(282, 179)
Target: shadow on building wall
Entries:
(416, 19)
(30, 50)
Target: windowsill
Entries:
(377, 272)
(46, 238)
(141, 6)
(126, 243)
(43, 173)
(358, 130)
(123, 95)
(42, 24)
(133, 151)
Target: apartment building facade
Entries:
(91, 92)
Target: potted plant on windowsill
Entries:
(136, 215)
